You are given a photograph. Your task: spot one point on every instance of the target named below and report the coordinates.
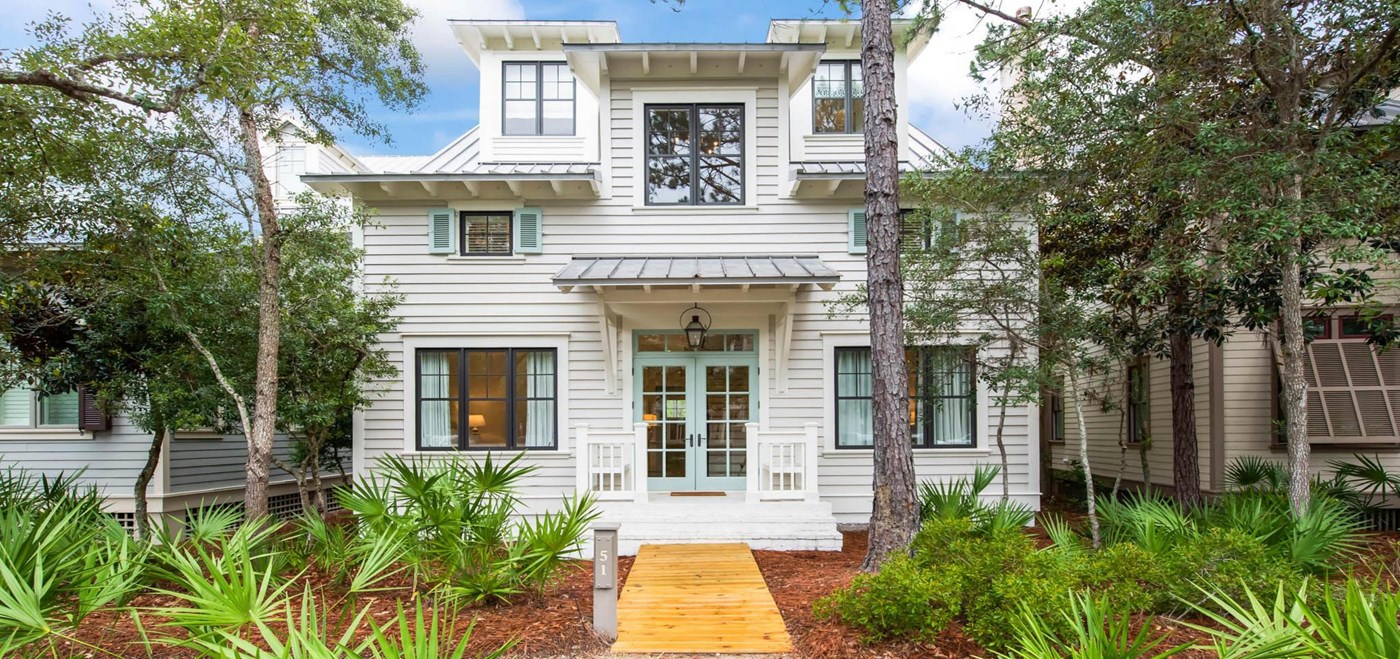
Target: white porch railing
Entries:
(782, 464)
(612, 465)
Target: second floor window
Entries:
(694, 155)
(539, 99)
(838, 98)
(486, 234)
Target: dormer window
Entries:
(838, 98)
(539, 99)
(694, 155)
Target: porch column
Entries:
(581, 460)
(639, 463)
(809, 472)
(752, 460)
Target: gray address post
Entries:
(605, 580)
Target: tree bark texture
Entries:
(269, 324)
(894, 517)
(1186, 471)
(143, 480)
(1089, 499)
(1295, 385)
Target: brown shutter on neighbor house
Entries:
(1353, 392)
(90, 416)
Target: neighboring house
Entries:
(66, 434)
(1353, 407)
(613, 195)
(1353, 400)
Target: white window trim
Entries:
(859, 339)
(658, 95)
(412, 343)
(36, 430)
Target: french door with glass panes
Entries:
(695, 407)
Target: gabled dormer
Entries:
(533, 108)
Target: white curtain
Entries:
(954, 398)
(854, 414)
(435, 419)
(539, 408)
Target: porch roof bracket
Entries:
(784, 347)
(607, 333)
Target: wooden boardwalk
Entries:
(698, 599)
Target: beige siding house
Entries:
(1353, 407)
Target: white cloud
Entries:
(441, 53)
(940, 80)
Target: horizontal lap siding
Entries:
(516, 296)
(1105, 428)
(220, 463)
(108, 460)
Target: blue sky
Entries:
(938, 80)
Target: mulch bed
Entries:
(557, 623)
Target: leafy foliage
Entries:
(901, 600)
(1097, 634)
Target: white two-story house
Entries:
(626, 273)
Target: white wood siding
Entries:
(459, 300)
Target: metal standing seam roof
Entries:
(637, 270)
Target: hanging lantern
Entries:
(695, 330)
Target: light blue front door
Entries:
(695, 405)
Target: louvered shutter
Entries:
(856, 221)
(529, 231)
(442, 231)
(1352, 393)
(90, 416)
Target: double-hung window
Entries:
(1055, 411)
(497, 398)
(694, 155)
(838, 98)
(942, 397)
(538, 99)
(22, 407)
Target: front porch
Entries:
(778, 508)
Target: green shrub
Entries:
(1227, 560)
(901, 600)
(934, 545)
(1130, 577)
(1010, 580)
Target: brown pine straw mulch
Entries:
(558, 622)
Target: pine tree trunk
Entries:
(143, 481)
(1186, 471)
(269, 324)
(1089, 498)
(1295, 386)
(894, 517)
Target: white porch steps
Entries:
(664, 519)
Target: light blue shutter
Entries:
(857, 230)
(529, 231)
(442, 234)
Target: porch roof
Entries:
(695, 271)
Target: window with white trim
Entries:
(838, 98)
(487, 398)
(942, 397)
(538, 99)
(22, 407)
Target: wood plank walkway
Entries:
(698, 599)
